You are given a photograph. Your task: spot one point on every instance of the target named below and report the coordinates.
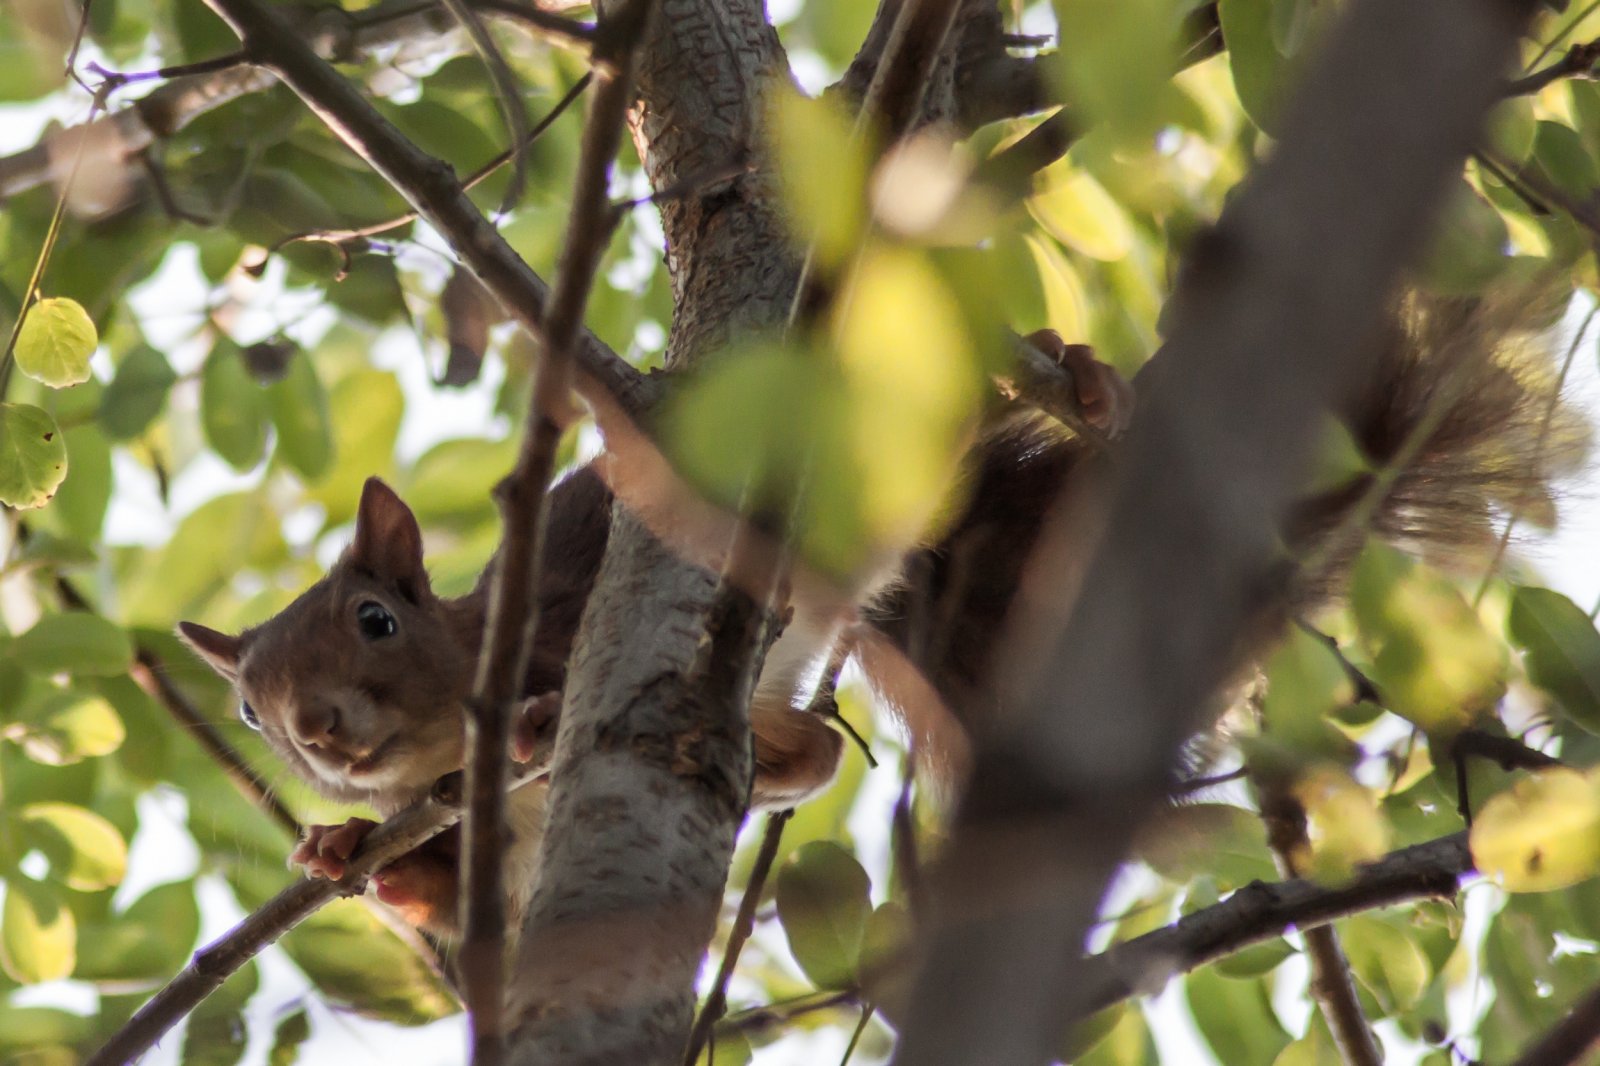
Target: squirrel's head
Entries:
(359, 683)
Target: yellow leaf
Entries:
(1346, 826)
(1064, 303)
(1541, 834)
(912, 388)
(1078, 211)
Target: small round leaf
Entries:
(56, 341)
(33, 456)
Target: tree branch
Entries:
(214, 963)
(512, 622)
(1260, 912)
(1303, 261)
(615, 389)
(744, 924)
(1569, 1040)
(331, 33)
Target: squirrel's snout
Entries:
(316, 724)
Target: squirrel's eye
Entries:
(375, 621)
(248, 713)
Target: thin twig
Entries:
(1332, 986)
(512, 619)
(772, 1014)
(1566, 31)
(506, 90)
(1508, 753)
(1200, 784)
(1578, 62)
(339, 236)
(1539, 193)
(1366, 689)
(744, 924)
(150, 674)
(867, 1011)
(615, 388)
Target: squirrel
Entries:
(359, 684)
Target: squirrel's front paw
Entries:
(1105, 398)
(327, 848)
(533, 727)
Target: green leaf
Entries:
(1431, 656)
(80, 504)
(61, 728)
(1078, 211)
(1207, 838)
(366, 409)
(1386, 962)
(38, 939)
(23, 1028)
(299, 408)
(136, 394)
(1562, 651)
(56, 341)
(1117, 57)
(823, 904)
(75, 642)
(354, 961)
(822, 169)
(885, 963)
(150, 941)
(1261, 73)
(1255, 960)
(1235, 1017)
(233, 407)
(33, 456)
(292, 1032)
(84, 850)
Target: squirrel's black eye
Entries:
(248, 713)
(375, 621)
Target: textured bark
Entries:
(650, 780)
(653, 766)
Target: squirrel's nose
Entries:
(317, 723)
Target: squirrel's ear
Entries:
(388, 542)
(218, 649)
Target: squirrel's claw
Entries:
(533, 728)
(326, 849)
(1105, 398)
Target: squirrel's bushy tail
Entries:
(1462, 424)
(1459, 427)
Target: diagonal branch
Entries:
(213, 964)
(1259, 912)
(1303, 261)
(614, 387)
(331, 33)
(1570, 1040)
